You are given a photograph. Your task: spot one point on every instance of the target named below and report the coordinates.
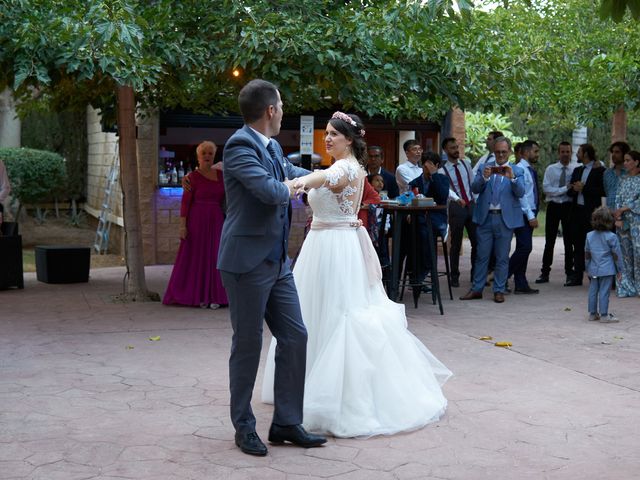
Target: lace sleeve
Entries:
(339, 175)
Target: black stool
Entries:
(405, 275)
(11, 274)
(445, 254)
(62, 264)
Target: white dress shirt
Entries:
(449, 170)
(583, 179)
(554, 193)
(405, 173)
(487, 157)
(528, 200)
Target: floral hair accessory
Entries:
(346, 118)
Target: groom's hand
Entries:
(290, 185)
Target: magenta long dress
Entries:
(195, 280)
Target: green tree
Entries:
(616, 9)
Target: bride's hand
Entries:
(300, 186)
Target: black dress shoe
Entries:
(295, 434)
(455, 283)
(251, 444)
(526, 291)
(573, 282)
(542, 279)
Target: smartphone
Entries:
(500, 170)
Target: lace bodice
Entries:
(338, 200)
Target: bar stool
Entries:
(405, 275)
(445, 254)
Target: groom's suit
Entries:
(495, 226)
(256, 274)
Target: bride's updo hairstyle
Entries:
(352, 127)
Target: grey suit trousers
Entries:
(267, 292)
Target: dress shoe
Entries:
(295, 434)
(526, 291)
(573, 282)
(542, 279)
(498, 297)
(455, 283)
(471, 295)
(251, 444)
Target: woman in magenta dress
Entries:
(195, 280)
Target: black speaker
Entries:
(11, 261)
(62, 264)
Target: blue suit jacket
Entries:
(390, 184)
(257, 202)
(510, 193)
(437, 188)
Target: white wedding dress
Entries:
(366, 373)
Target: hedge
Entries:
(36, 176)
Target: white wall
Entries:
(403, 136)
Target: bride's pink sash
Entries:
(372, 264)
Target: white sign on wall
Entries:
(306, 134)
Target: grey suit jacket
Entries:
(257, 202)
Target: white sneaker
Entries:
(594, 317)
(214, 306)
(611, 318)
(204, 305)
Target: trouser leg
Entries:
(501, 246)
(457, 219)
(484, 235)
(593, 295)
(604, 290)
(550, 234)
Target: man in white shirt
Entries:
(529, 203)
(411, 169)
(555, 185)
(461, 204)
(489, 156)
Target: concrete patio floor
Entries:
(85, 393)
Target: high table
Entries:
(399, 214)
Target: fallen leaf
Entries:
(567, 309)
(129, 347)
(503, 344)
(485, 338)
(605, 343)
(619, 338)
(154, 339)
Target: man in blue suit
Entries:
(500, 187)
(255, 271)
(374, 165)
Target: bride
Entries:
(366, 373)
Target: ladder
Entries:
(101, 243)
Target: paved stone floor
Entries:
(85, 393)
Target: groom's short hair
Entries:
(255, 97)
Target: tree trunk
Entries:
(136, 286)
(619, 126)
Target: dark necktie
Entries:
(563, 178)
(463, 192)
(534, 175)
(274, 159)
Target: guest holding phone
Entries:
(496, 215)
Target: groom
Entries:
(256, 274)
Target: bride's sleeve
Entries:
(337, 176)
